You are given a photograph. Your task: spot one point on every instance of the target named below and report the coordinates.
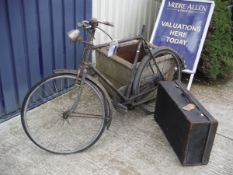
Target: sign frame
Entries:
(203, 36)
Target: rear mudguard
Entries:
(107, 100)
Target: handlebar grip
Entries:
(108, 23)
(105, 23)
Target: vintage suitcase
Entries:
(188, 126)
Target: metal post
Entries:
(190, 81)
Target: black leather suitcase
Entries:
(188, 126)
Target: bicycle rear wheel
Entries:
(165, 65)
(60, 121)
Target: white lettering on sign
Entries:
(197, 7)
(179, 32)
(176, 41)
(187, 7)
(177, 5)
(181, 26)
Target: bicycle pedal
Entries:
(121, 107)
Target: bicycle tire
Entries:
(144, 80)
(72, 134)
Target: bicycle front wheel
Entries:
(62, 117)
(164, 65)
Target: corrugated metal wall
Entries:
(33, 42)
(128, 16)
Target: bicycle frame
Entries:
(76, 88)
(127, 98)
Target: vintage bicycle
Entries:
(73, 109)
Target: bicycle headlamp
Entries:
(74, 35)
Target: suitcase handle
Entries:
(190, 100)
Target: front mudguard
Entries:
(107, 99)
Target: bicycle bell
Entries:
(74, 35)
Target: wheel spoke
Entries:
(86, 115)
(55, 87)
(151, 68)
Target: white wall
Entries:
(128, 16)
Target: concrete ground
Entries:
(133, 145)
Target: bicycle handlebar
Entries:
(90, 26)
(93, 23)
(106, 23)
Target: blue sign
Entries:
(182, 25)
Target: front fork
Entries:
(83, 72)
